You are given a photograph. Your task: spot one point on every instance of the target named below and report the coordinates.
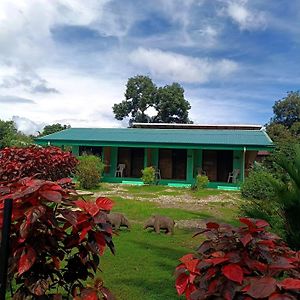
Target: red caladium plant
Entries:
(240, 263)
(55, 241)
(50, 163)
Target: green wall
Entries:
(238, 163)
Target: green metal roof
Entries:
(136, 136)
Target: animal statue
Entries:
(160, 222)
(117, 220)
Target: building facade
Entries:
(178, 152)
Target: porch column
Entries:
(154, 157)
(190, 166)
(113, 161)
(243, 165)
(238, 163)
(197, 160)
(75, 150)
(146, 157)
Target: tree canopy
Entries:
(171, 106)
(141, 93)
(48, 129)
(10, 136)
(287, 110)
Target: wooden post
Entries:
(4, 253)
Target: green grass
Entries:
(144, 263)
(139, 211)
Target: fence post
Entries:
(4, 251)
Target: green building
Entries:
(177, 151)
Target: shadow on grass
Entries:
(154, 289)
(161, 251)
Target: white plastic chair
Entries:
(119, 170)
(201, 172)
(157, 173)
(233, 175)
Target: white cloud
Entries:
(172, 66)
(27, 126)
(246, 17)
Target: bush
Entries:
(289, 198)
(148, 176)
(201, 182)
(55, 243)
(239, 263)
(50, 163)
(259, 185)
(89, 171)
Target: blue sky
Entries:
(68, 60)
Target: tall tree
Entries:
(8, 131)
(10, 136)
(287, 110)
(141, 94)
(171, 105)
(49, 129)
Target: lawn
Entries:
(144, 262)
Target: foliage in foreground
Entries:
(148, 175)
(89, 171)
(277, 201)
(240, 263)
(289, 199)
(50, 163)
(55, 242)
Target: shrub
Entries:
(201, 182)
(55, 242)
(289, 198)
(148, 175)
(239, 263)
(89, 171)
(50, 163)
(259, 185)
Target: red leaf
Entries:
(89, 294)
(290, 284)
(262, 287)
(80, 203)
(246, 239)
(212, 225)
(281, 263)
(104, 203)
(89, 207)
(218, 254)
(282, 297)
(233, 272)
(186, 258)
(261, 223)
(190, 288)
(212, 287)
(84, 232)
(256, 265)
(181, 283)
(192, 265)
(217, 260)
(100, 240)
(52, 196)
(248, 222)
(27, 259)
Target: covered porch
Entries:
(175, 166)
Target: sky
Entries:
(68, 61)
